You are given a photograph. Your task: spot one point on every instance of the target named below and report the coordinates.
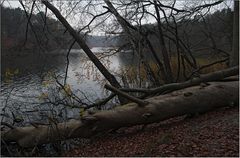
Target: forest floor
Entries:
(215, 133)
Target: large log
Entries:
(186, 101)
(210, 77)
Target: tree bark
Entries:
(186, 101)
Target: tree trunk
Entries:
(234, 58)
(210, 77)
(163, 47)
(186, 101)
(111, 79)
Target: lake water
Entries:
(28, 78)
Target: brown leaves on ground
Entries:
(214, 133)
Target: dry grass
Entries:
(133, 73)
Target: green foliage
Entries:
(81, 112)
(9, 74)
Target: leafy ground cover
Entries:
(214, 133)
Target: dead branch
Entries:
(215, 76)
(101, 102)
(131, 98)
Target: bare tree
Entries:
(84, 46)
(163, 46)
(213, 89)
(128, 28)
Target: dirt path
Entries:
(215, 133)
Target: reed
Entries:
(133, 72)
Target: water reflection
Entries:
(21, 93)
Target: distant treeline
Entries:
(196, 33)
(16, 36)
(203, 36)
(50, 36)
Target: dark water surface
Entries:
(27, 77)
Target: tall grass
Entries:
(134, 73)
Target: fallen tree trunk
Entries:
(186, 101)
(210, 77)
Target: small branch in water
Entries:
(7, 124)
(125, 95)
(67, 56)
